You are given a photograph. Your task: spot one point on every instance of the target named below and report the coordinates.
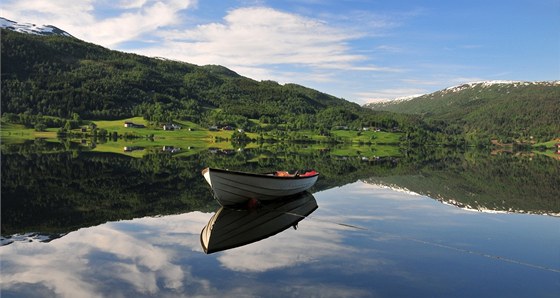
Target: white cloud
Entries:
(267, 44)
(58, 13)
(129, 19)
(260, 36)
(132, 25)
(131, 3)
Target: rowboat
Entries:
(233, 187)
(229, 228)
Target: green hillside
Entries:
(69, 78)
(516, 110)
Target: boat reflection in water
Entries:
(230, 228)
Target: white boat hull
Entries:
(232, 188)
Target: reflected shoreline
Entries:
(48, 189)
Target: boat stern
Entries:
(206, 174)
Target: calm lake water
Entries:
(85, 224)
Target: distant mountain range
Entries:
(515, 109)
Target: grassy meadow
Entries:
(193, 138)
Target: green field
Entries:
(16, 133)
(193, 138)
(373, 137)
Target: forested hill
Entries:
(64, 76)
(516, 110)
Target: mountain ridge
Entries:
(511, 109)
(459, 87)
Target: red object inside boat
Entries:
(310, 173)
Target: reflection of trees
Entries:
(60, 190)
(502, 182)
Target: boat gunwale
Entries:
(264, 175)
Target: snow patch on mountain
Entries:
(406, 98)
(31, 28)
(392, 101)
(486, 84)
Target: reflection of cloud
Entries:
(146, 256)
(324, 290)
(405, 243)
(138, 253)
(310, 242)
(162, 256)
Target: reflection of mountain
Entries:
(50, 190)
(230, 228)
(60, 192)
(503, 183)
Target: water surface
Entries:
(371, 235)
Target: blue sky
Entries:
(361, 50)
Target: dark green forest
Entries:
(71, 79)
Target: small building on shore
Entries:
(133, 125)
